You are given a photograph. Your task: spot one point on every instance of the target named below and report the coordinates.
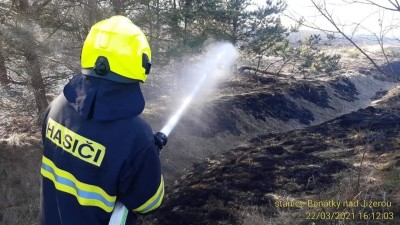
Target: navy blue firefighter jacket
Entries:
(97, 150)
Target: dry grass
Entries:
(255, 216)
(20, 181)
(373, 178)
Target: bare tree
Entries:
(324, 12)
(392, 5)
(380, 35)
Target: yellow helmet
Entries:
(116, 49)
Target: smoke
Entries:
(200, 77)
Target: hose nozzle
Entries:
(160, 139)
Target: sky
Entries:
(345, 14)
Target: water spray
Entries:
(219, 57)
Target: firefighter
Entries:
(97, 150)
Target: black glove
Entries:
(160, 139)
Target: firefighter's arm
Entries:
(141, 186)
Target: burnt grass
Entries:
(316, 94)
(345, 89)
(222, 115)
(269, 101)
(263, 98)
(392, 68)
(216, 191)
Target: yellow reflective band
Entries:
(86, 194)
(154, 202)
(75, 144)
